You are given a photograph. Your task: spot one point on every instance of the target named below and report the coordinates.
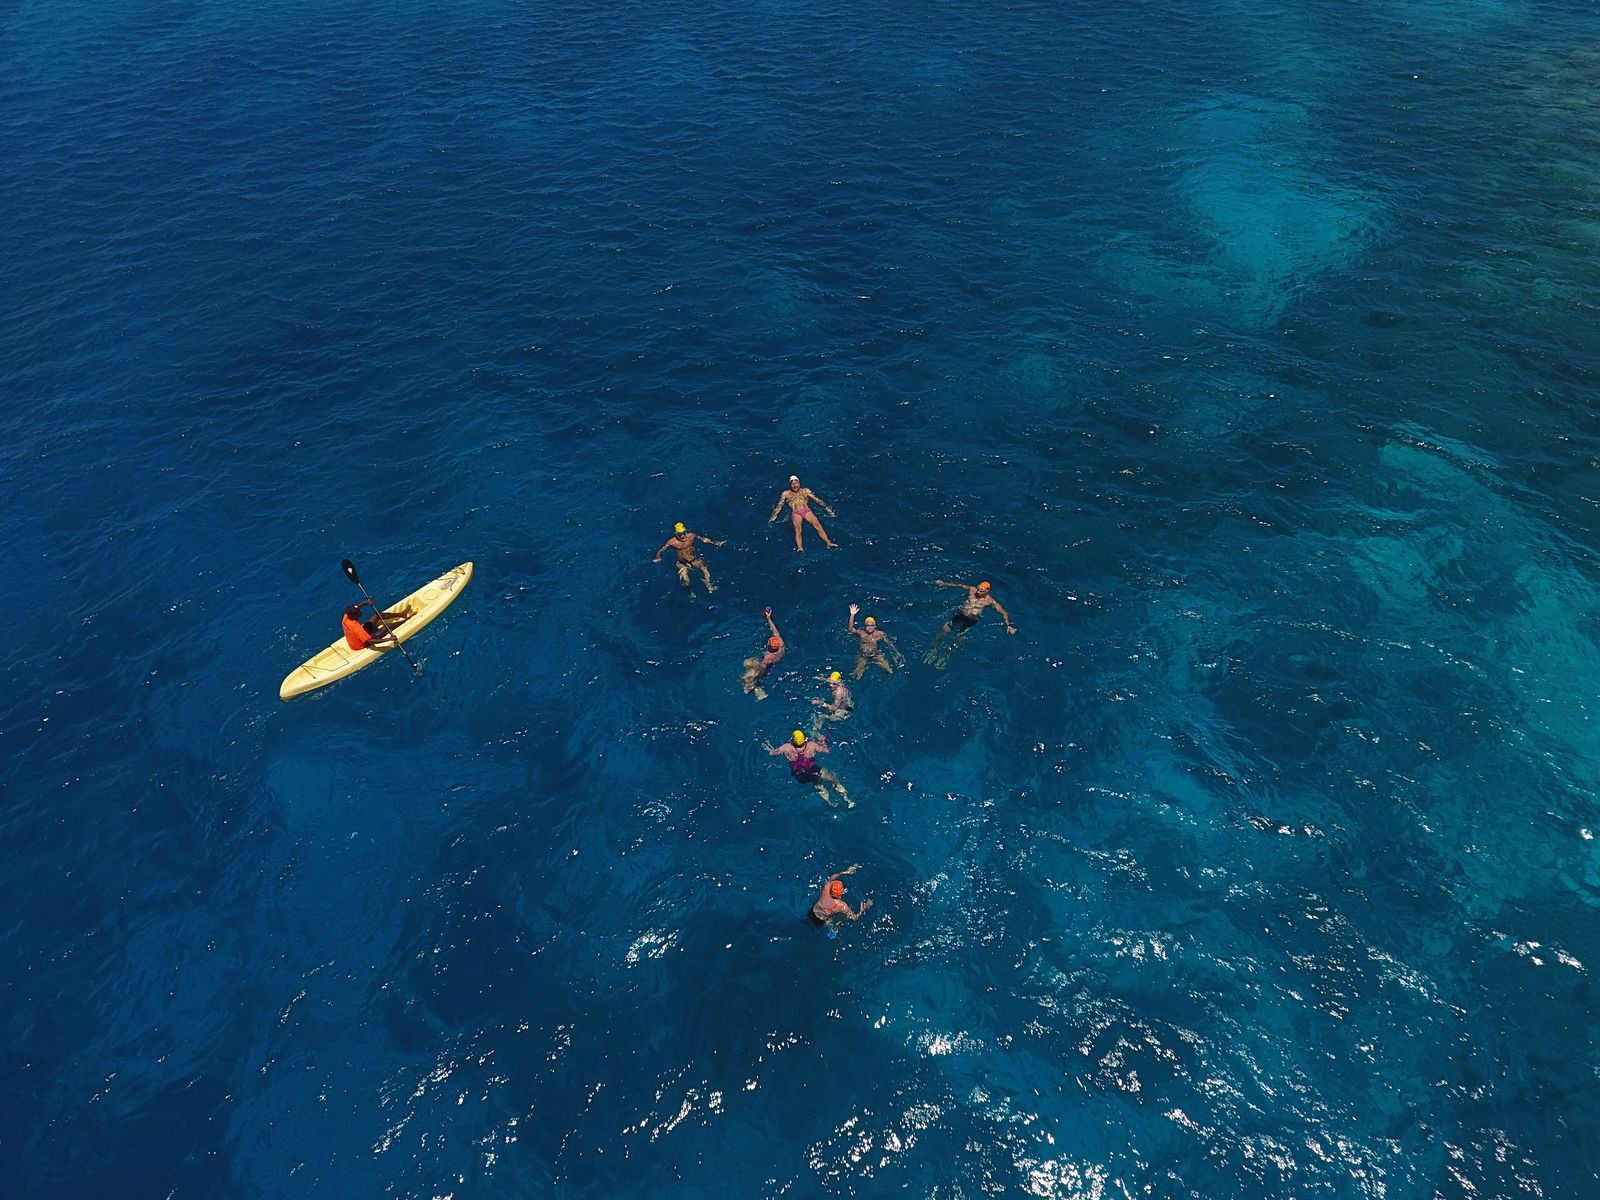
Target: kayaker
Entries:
(361, 634)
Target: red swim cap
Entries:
(836, 888)
(773, 643)
(984, 586)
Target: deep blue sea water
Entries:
(1249, 348)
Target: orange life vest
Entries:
(355, 634)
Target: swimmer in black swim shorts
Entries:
(964, 618)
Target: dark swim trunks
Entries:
(814, 919)
(805, 770)
(963, 621)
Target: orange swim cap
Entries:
(836, 888)
(984, 586)
(773, 643)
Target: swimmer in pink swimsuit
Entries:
(799, 501)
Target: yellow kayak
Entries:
(338, 660)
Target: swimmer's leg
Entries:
(861, 666)
(706, 571)
(827, 799)
(830, 777)
(883, 661)
(799, 524)
(817, 525)
(683, 575)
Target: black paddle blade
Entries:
(350, 570)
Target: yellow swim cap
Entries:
(872, 620)
(834, 677)
(798, 737)
(678, 528)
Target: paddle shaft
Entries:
(377, 614)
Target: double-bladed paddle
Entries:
(350, 570)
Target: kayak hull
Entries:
(338, 660)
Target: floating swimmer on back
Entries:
(800, 499)
(683, 541)
(963, 619)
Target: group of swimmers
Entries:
(874, 648)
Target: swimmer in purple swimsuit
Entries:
(802, 752)
(799, 500)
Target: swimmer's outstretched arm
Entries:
(665, 546)
(943, 583)
(1004, 615)
(820, 501)
(850, 625)
(850, 870)
(772, 625)
(777, 508)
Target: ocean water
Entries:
(1250, 349)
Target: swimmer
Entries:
(802, 752)
(683, 540)
(839, 704)
(799, 499)
(830, 901)
(755, 669)
(964, 618)
(872, 641)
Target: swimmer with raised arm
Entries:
(800, 499)
(871, 642)
(963, 619)
(755, 669)
(830, 901)
(683, 541)
(802, 752)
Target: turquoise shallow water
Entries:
(1249, 350)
